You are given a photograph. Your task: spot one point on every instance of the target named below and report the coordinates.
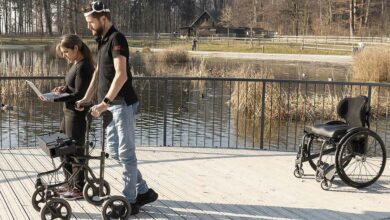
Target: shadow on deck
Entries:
(204, 183)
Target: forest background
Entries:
(286, 17)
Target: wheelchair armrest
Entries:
(334, 122)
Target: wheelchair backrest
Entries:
(355, 111)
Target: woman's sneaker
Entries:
(63, 189)
(73, 194)
(145, 198)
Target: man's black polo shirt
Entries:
(110, 46)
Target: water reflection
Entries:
(41, 60)
(195, 113)
(192, 113)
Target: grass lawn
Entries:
(244, 47)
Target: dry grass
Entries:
(171, 56)
(282, 102)
(146, 50)
(16, 87)
(372, 65)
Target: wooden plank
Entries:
(204, 183)
(21, 163)
(9, 194)
(5, 207)
(39, 161)
(180, 191)
(32, 166)
(115, 180)
(189, 183)
(153, 212)
(85, 210)
(21, 182)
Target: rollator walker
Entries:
(347, 148)
(46, 198)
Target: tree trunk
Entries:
(228, 37)
(59, 17)
(76, 17)
(367, 13)
(330, 14)
(6, 16)
(47, 10)
(68, 8)
(351, 18)
(40, 16)
(296, 12)
(21, 16)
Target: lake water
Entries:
(197, 113)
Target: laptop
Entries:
(47, 96)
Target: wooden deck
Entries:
(204, 183)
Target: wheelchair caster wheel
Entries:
(56, 208)
(91, 193)
(117, 207)
(319, 176)
(298, 173)
(38, 199)
(326, 184)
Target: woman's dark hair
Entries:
(70, 41)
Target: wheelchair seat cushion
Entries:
(336, 131)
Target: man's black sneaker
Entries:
(119, 211)
(145, 198)
(134, 209)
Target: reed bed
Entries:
(289, 102)
(372, 65)
(170, 56)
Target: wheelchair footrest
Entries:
(326, 171)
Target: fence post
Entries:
(262, 115)
(165, 113)
(369, 95)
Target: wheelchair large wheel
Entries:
(56, 208)
(91, 193)
(117, 207)
(361, 159)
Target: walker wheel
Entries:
(326, 184)
(298, 173)
(91, 193)
(38, 199)
(56, 208)
(117, 207)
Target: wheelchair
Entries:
(347, 148)
(46, 198)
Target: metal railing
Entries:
(203, 112)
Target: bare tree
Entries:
(47, 10)
(352, 18)
(226, 19)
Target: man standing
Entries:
(115, 93)
(194, 43)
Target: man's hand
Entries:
(81, 103)
(98, 109)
